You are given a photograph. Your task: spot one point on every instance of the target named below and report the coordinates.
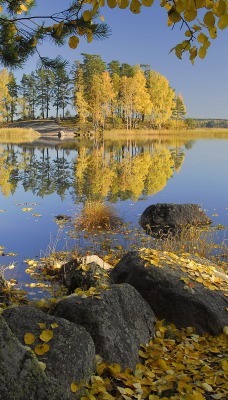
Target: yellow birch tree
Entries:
(162, 98)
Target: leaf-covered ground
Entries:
(176, 364)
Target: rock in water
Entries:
(172, 217)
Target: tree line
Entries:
(104, 95)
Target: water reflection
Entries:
(113, 170)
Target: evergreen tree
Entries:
(62, 91)
(13, 96)
(92, 65)
(45, 86)
(179, 109)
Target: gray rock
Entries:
(170, 297)
(75, 274)
(118, 322)
(72, 352)
(172, 217)
(21, 377)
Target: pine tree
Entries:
(13, 96)
(62, 91)
(179, 109)
(45, 86)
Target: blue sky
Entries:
(146, 39)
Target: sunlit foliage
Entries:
(21, 31)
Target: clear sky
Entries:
(145, 39)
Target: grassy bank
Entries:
(17, 135)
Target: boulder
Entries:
(71, 354)
(167, 217)
(79, 274)
(119, 320)
(178, 289)
(21, 375)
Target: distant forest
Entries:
(211, 123)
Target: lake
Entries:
(39, 182)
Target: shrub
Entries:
(97, 215)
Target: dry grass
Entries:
(196, 241)
(17, 135)
(97, 215)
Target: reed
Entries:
(17, 135)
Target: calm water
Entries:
(38, 183)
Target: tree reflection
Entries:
(112, 171)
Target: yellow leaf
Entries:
(112, 3)
(142, 354)
(85, 267)
(42, 325)
(162, 364)
(196, 395)
(42, 365)
(225, 329)
(223, 22)
(213, 32)
(147, 3)
(174, 15)
(27, 209)
(206, 387)
(224, 364)
(123, 3)
(41, 349)
(135, 6)
(202, 52)
(54, 325)
(209, 19)
(74, 387)
(23, 7)
(89, 37)
(129, 391)
(115, 368)
(190, 14)
(87, 15)
(102, 18)
(0, 8)
(73, 42)
(29, 338)
(46, 335)
(184, 387)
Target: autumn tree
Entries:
(100, 98)
(126, 100)
(162, 98)
(4, 95)
(141, 98)
(80, 102)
